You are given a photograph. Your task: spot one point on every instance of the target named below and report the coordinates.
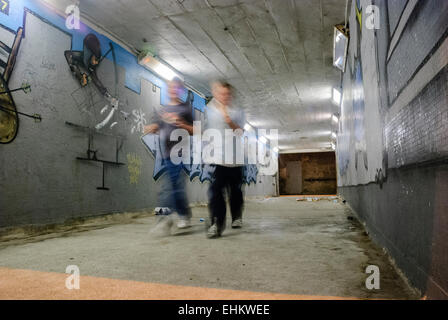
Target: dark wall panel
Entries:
(395, 9)
(408, 217)
(419, 132)
(406, 210)
(426, 27)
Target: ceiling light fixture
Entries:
(247, 127)
(340, 45)
(158, 67)
(263, 139)
(335, 118)
(336, 96)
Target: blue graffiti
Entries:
(134, 72)
(203, 171)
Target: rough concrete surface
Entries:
(286, 246)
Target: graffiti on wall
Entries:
(204, 172)
(134, 167)
(93, 62)
(358, 94)
(9, 121)
(353, 98)
(84, 65)
(139, 121)
(9, 115)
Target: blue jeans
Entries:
(174, 195)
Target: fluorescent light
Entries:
(335, 118)
(336, 96)
(247, 127)
(263, 139)
(333, 146)
(158, 67)
(275, 149)
(339, 36)
(165, 72)
(338, 61)
(340, 46)
(333, 135)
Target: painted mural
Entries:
(204, 172)
(9, 115)
(9, 121)
(83, 65)
(352, 145)
(358, 94)
(96, 63)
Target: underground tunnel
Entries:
(224, 149)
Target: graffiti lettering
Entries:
(139, 121)
(134, 167)
(372, 17)
(4, 6)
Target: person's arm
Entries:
(152, 128)
(185, 123)
(241, 120)
(180, 123)
(232, 124)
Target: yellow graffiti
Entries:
(5, 4)
(134, 166)
(359, 16)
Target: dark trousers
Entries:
(230, 179)
(174, 193)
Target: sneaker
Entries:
(183, 223)
(237, 224)
(162, 211)
(163, 226)
(212, 232)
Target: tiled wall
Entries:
(424, 29)
(405, 210)
(419, 132)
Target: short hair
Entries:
(93, 44)
(224, 84)
(178, 80)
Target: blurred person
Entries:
(175, 115)
(221, 115)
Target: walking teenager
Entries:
(221, 115)
(175, 115)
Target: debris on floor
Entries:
(318, 198)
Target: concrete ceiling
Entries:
(277, 53)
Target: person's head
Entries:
(223, 92)
(92, 48)
(175, 89)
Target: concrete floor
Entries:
(286, 247)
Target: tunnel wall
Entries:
(41, 180)
(392, 152)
